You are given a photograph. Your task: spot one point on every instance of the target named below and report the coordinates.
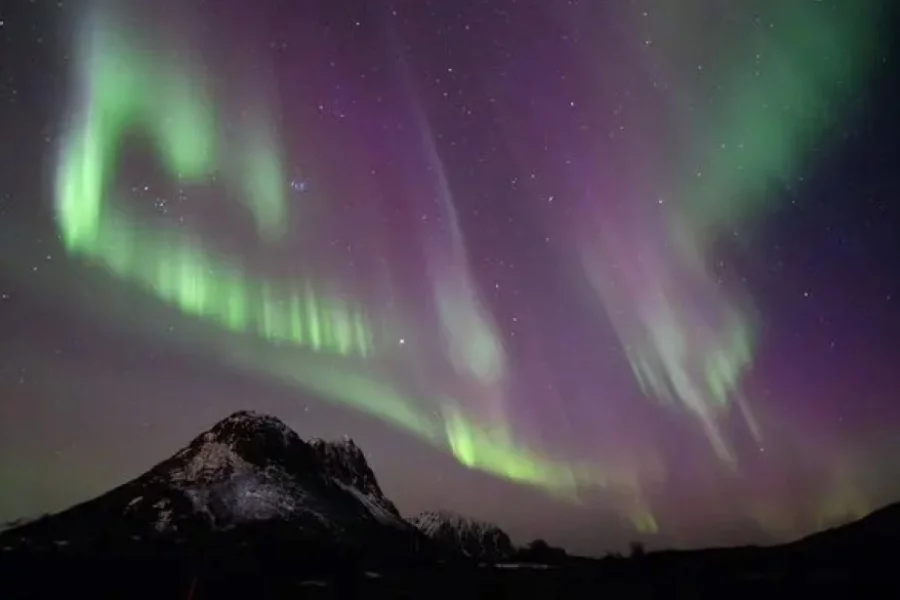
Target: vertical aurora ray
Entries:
(263, 180)
(474, 348)
(470, 337)
(687, 329)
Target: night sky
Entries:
(596, 271)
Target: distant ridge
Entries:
(473, 538)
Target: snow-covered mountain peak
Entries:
(472, 537)
(249, 471)
(239, 443)
(208, 462)
(441, 516)
(345, 463)
(246, 424)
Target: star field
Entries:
(593, 271)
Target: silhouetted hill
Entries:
(877, 530)
(540, 552)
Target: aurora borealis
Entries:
(595, 271)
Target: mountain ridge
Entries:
(472, 537)
(251, 468)
(248, 508)
(248, 468)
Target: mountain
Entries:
(345, 463)
(248, 509)
(473, 538)
(249, 470)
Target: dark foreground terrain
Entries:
(250, 510)
(264, 574)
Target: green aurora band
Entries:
(128, 87)
(127, 91)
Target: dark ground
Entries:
(162, 573)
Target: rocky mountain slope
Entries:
(345, 463)
(247, 470)
(476, 539)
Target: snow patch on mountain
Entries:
(164, 512)
(474, 538)
(381, 513)
(345, 463)
(213, 461)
